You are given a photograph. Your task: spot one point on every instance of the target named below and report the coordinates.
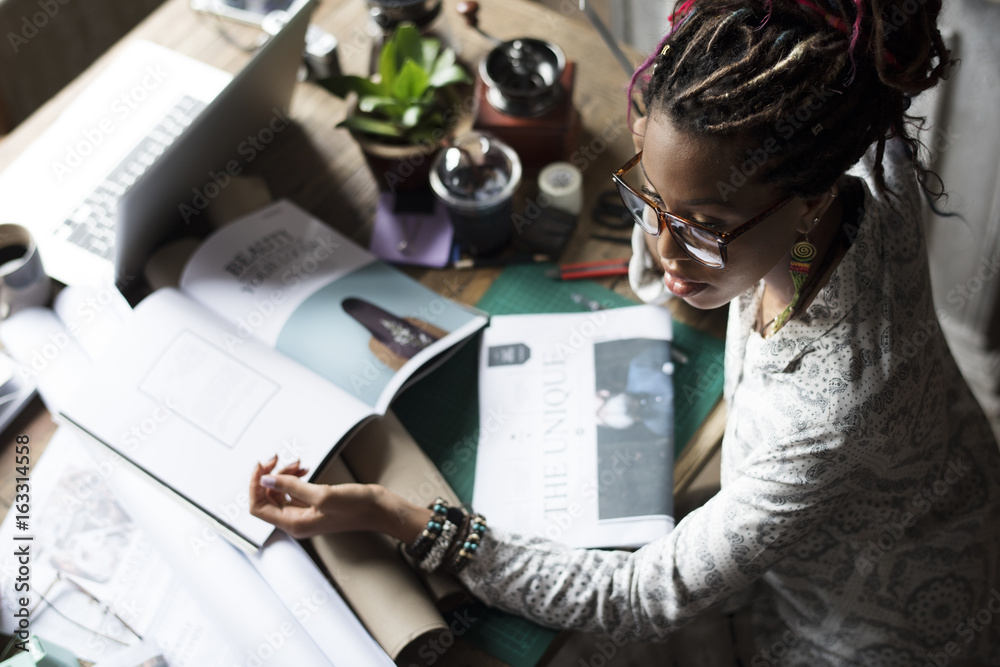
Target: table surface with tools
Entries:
(321, 168)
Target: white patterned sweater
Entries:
(860, 501)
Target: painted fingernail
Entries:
(268, 482)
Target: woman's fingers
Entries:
(311, 494)
(276, 498)
(296, 521)
(262, 494)
(281, 499)
(272, 506)
(303, 509)
(294, 469)
(258, 494)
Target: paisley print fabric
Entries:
(859, 513)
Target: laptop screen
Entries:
(172, 194)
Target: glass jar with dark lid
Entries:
(475, 178)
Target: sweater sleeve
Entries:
(645, 276)
(713, 553)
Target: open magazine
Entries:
(283, 338)
(116, 560)
(576, 412)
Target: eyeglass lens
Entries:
(697, 243)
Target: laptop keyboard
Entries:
(92, 225)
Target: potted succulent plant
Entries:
(406, 109)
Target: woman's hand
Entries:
(303, 509)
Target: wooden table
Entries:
(321, 168)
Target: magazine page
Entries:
(576, 426)
(290, 281)
(197, 417)
(273, 617)
(318, 607)
(84, 537)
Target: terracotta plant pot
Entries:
(398, 167)
(404, 167)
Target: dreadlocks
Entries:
(816, 84)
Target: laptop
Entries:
(106, 183)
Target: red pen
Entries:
(597, 269)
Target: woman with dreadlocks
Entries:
(859, 513)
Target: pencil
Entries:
(591, 273)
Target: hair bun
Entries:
(913, 54)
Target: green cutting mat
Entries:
(441, 412)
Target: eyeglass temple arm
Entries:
(729, 237)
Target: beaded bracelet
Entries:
(440, 547)
(476, 530)
(460, 518)
(428, 536)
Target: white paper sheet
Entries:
(252, 617)
(50, 354)
(324, 615)
(102, 524)
(81, 529)
(95, 315)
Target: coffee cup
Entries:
(23, 282)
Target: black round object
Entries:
(523, 77)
